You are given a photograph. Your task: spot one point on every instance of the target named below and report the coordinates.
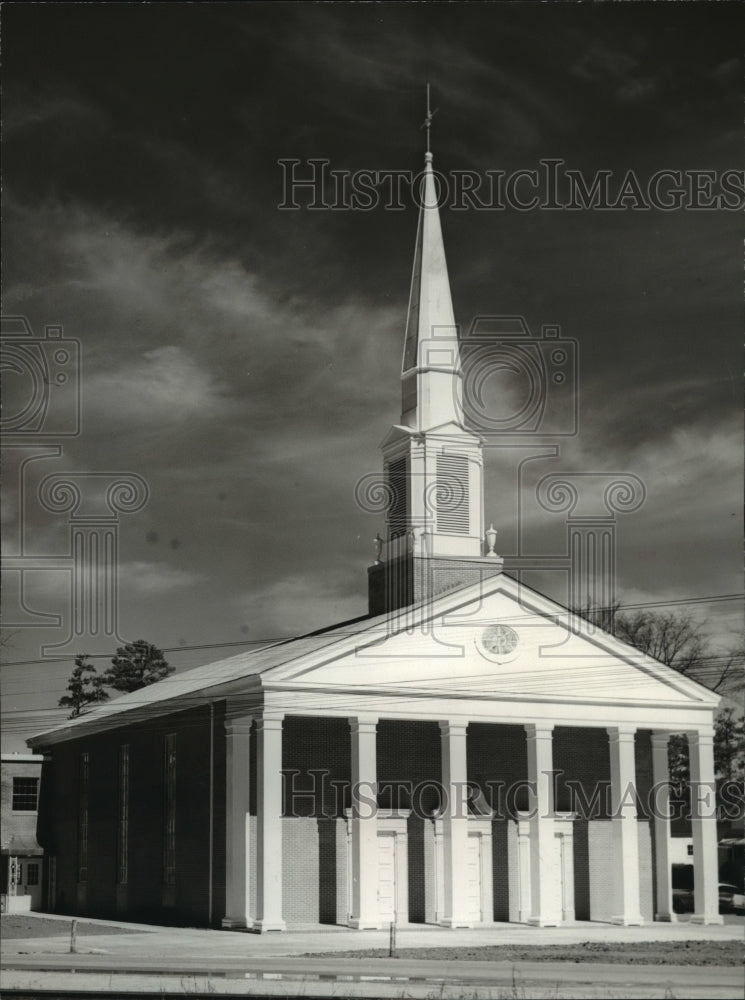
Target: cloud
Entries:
(149, 578)
(298, 603)
(163, 386)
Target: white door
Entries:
(387, 877)
(473, 878)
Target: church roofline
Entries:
(253, 672)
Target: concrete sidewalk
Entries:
(172, 943)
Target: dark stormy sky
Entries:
(244, 360)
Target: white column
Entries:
(626, 905)
(661, 827)
(364, 824)
(236, 822)
(545, 858)
(269, 824)
(704, 827)
(454, 825)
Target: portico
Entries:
(460, 871)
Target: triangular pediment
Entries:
(495, 640)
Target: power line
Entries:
(677, 602)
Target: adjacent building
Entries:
(22, 861)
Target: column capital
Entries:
(539, 730)
(450, 728)
(269, 721)
(238, 726)
(700, 737)
(660, 739)
(363, 724)
(621, 734)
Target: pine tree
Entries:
(135, 666)
(84, 686)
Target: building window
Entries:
(32, 873)
(25, 794)
(83, 793)
(122, 841)
(169, 810)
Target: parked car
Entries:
(731, 899)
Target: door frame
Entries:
(564, 839)
(388, 822)
(477, 827)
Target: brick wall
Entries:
(601, 869)
(412, 579)
(317, 752)
(144, 896)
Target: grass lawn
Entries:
(622, 953)
(19, 925)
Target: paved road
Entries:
(390, 978)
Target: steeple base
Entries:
(412, 579)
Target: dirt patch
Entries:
(18, 925)
(623, 953)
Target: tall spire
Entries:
(433, 464)
(431, 341)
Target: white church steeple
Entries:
(430, 372)
(433, 463)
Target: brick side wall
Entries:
(315, 755)
(501, 887)
(583, 758)
(411, 579)
(600, 869)
(600, 857)
(144, 896)
(498, 764)
(314, 869)
(315, 838)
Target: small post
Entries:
(73, 937)
(392, 939)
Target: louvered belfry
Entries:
(433, 464)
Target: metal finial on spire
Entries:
(428, 120)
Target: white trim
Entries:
(272, 677)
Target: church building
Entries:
(466, 753)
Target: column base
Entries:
(702, 918)
(453, 923)
(233, 924)
(666, 918)
(635, 921)
(543, 922)
(263, 926)
(358, 924)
